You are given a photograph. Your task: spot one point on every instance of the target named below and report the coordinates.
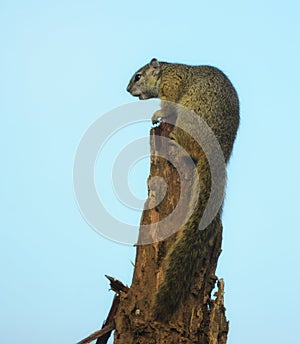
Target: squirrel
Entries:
(207, 92)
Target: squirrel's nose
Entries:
(128, 88)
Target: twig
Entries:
(98, 334)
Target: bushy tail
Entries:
(188, 261)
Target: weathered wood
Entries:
(201, 318)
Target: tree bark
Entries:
(201, 318)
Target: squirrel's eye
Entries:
(137, 76)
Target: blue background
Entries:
(62, 65)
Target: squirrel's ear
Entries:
(154, 66)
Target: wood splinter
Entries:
(103, 335)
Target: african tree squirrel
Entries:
(206, 91)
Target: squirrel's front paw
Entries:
(157, 117)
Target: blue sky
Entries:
(65, 63)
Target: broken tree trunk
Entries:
(201, 317)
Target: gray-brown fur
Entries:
(206, 91)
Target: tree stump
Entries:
(201, 318)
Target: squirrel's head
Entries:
(145, 82)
